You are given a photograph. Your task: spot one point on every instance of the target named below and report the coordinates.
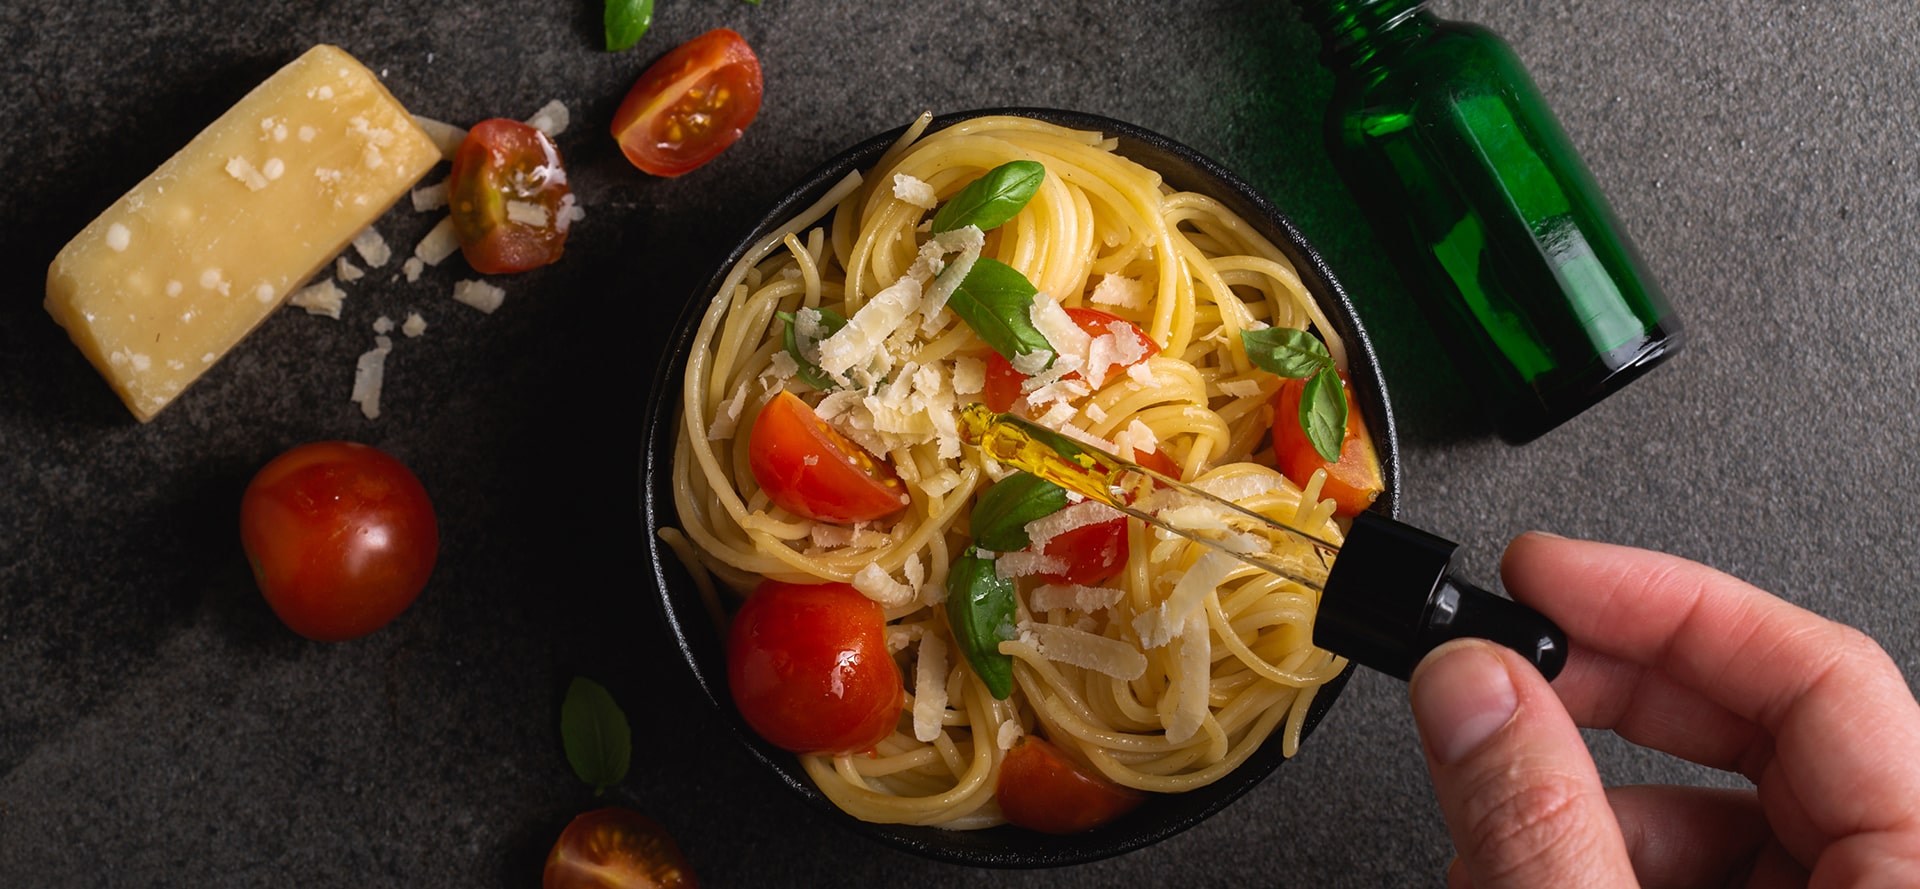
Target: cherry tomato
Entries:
(1093, 552)
(1003, 383)
(690, 105)
(809, 668)
(1159, 461)
(1041, 789)
(509, 198)
(810, 469)
(615, 848)
(341, 537)
(1352, 483)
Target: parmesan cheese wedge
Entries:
(181, 268)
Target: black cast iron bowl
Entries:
(693, 631)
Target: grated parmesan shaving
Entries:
(1091, 651)
(324, 298)
(445, 135)
(929, 687)
(437, 244)
(552, 118)
(1166, 622)
(479, 294)
(915, 192)
(1052, 596)
(412, 268)
(1191, 679)
(1241, 388)
(369, 376)
(433, 197)
(414, 325)
(728, 416)
(383, 324)
(372, 247)
(1119, 290)
(527, 213)
(1009, 734)
(875, 583)
(345, 270)
(1087, 512)
(1027, 564)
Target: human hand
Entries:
(1678, 657)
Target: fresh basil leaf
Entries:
(1294, 354)
(627, 21)
(599, 744)
(997, 302)
(1323, 414)
(809, 371)
(981, 608)
(992, 199)
(1000, 517)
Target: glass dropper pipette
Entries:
(1387, 594)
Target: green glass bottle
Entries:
(1491, 217)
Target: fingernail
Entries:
(1547, 534)
(1461, 694)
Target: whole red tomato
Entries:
(809, 669)
(341, 538)
(615, 848)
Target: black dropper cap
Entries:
(1391, 597)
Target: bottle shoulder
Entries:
(1454, 63)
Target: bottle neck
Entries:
(1353, 33)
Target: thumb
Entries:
(1515, 782)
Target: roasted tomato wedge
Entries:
(1041, 789)
(810, 469)
(341, 538)
(1003, 384)
(509, 198)
(809, 669)
(615, 848)
(690, 105)
(1093, 552)
(1355, 480)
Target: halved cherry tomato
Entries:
(809, 668)
(1092, 552)
(1352, 483)
(341, 537)
(1041, 789)
(508, 197)
(810, 469)
(690, 105)
(1003, 384)
(615, 848)
(1159, 461)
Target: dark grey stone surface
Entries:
(159, 727)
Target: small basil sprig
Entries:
(992, 199)
(831, 321)
(1297, 355)
(627, 21)
(1000, 516)
(594, 731)
(997, 302)
(980, 609)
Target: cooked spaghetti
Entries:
(1155, 699)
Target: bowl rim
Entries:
(701, 648)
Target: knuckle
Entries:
(1529, 827)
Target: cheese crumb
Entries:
(414, 326)
(929, 687)
(914, 191)
(242, 169)
(438, 244)
(369, 376)
(323, 298)
(433, 197)
(345, 270)
(372, 247)
(1119, 290)
(264, 292)
(383, 324)
(552, 118)
(875, 583)
(412, 268)
(274, 168)
(969, 375)
(118, 237)
(480, 295)
(527, 213)
(1241, 388)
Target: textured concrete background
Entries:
(159, 727)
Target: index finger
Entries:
(1844, 723)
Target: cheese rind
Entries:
(190, 261)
